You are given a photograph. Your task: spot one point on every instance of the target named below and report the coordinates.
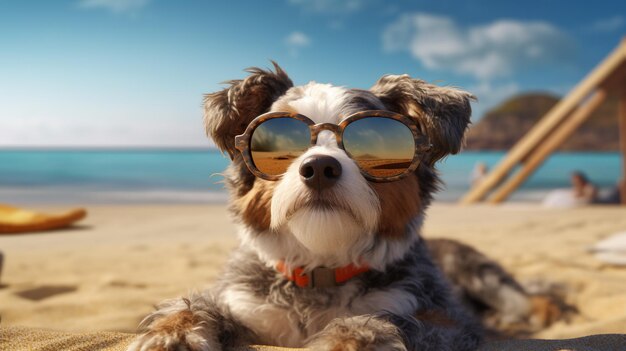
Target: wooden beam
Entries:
(549, 145)
(547, 124)
(622, 138)
(617, 79)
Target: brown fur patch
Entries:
(347, 345)
(399, 203)
(345, 339)
(178, 323)
(545, 311)
(255, 205)
(228, 112)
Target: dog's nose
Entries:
(320, 171)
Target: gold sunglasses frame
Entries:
(421, 141)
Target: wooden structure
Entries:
(555, 127)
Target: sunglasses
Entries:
(386, 146)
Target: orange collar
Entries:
(321, 277)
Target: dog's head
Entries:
(340, 217)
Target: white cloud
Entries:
(297, 41)
(117, 6)
(486, 51)
(330, 6)
(610, 24)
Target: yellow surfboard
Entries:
(15, 220)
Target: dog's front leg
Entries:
(197, 323)
(359, 333)
(389, 332)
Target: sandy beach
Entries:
(108, 272)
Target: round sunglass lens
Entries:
(277, 142)
(382, 147)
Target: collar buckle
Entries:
(322, 277)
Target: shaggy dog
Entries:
(282, 285)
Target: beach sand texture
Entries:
(107, 273)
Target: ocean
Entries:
(193, 176)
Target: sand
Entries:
(109, 272)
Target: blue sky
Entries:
(132, 72)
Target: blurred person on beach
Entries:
(583, 192)
(479, 173)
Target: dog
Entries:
(331, 256)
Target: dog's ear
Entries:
(443, 113)
(228, 112)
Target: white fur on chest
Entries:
(277, 325)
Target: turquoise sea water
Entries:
(192, 176)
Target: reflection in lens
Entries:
(277, 142)
(382, 147)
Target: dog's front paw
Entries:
(177, 331)
(361, 333)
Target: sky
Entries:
(133, 72)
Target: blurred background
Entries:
(101, 99)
